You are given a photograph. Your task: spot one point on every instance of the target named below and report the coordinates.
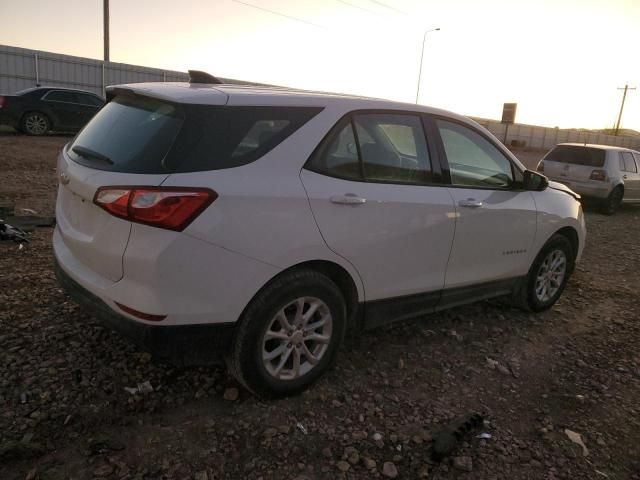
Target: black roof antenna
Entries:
(196, 76)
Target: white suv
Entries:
(260, 224)
(608, 174)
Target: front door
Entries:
(496, 223)
(630, 170)
(370, 186)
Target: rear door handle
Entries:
(470, 203)
(348, 199)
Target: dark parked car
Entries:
(36, 111)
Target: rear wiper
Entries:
(88, 153)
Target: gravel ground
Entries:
(64, 411)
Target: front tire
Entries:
(547, 277)
(35, 123)
(289, 334)
(613, 201)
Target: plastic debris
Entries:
(8, 232)
(576, 438)
(144, 387)
(446, 441)
(302, 428)
(484, 435)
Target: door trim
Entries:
(389, 310)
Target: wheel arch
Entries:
(570, 234)
(337, 274)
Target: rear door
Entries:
(88, 105)
(377, 198)
(62, 103)
(125, 144)
(629, 163)
(496, 221)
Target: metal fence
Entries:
(21, 68)
(530, 136)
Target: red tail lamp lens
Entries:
(172, 208)
(599, 175)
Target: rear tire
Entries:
(547, 277)
(613, 201)
(35, 124)
(276, 349)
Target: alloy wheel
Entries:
(297, 338)
(36, 124)
(550, 275)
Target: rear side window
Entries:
(144, 135)
(60, 96)
(86, 99)
(627, 162)
(577, 155)
(386, 148)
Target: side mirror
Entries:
(534, 181)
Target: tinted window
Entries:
(144, 135)
(60, 96)
(393, 148)
(383, 148)
(627, 163)
(339, 156)
(473, 160)
(86, 99)
(135, 133)
(577, 155)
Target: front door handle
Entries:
(470, 203)
(348, 199)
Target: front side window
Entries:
(473, 160)
(389, 148)
(627, 162)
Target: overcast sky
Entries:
(560, 60)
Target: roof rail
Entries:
(196, 76)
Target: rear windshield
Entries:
(134, 134)
(577, 155)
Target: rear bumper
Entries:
(590, 189)
(198, 344)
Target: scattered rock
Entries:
(231, 394)
(463, 463)
(343, 466)
(389, 470)
(103, 470)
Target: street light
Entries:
(424, 39)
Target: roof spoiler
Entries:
(196, 76)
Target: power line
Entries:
(273, 12)
(389, 7)
(358, 7)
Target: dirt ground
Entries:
(65, 414)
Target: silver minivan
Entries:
(605, 173)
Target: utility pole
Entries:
(624, 96)
(105, 18)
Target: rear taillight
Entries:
(172, 208)
(600, 175)
(541, 166)
(2, 101)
